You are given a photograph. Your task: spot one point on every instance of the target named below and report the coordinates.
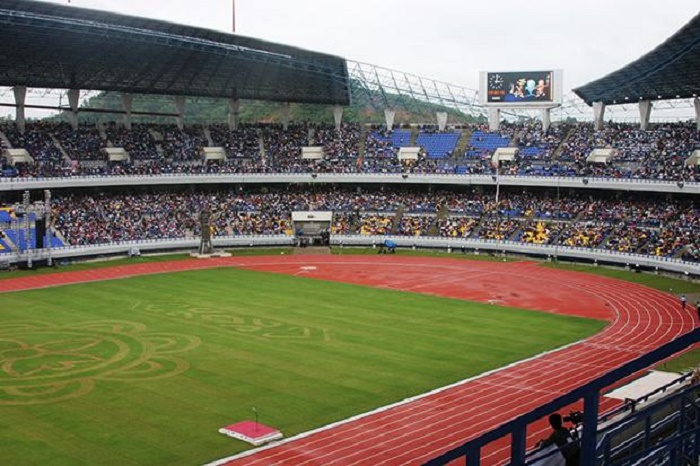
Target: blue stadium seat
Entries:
(19, 239)
(4, 247)
(438, 145)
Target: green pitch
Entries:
(143, 371)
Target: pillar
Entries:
(73, 101)
(441, 120)
(286, 107)
(180, 107)
(696, 102)
(389, 114)
(546, 118)
(598, 115)
(644, 114)
(494, 119)
(127, 103)
(20, 97)
(234, 108)
(337, 116)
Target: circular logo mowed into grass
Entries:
(224, 319)
(45, 363)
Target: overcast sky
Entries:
(440, 39)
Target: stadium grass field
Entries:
(145, 370)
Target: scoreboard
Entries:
(520, 88)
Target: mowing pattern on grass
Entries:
(270, 329)
(41, 362)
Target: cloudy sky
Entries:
(440, 39)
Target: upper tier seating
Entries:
(658, 153)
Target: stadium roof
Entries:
(46, 45)
(670, 71)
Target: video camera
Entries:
(574, 417)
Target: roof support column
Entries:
(598, 115)
(20, 97)
(234, 110)
(286, 107)
(696, 102)
(546, 118)
(127, 103)
(644, 114)
(73, 100)
(441, 120)
(494, 119)
(389, 114)
(337, 116)
(180, 107)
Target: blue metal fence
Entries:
(590, 393)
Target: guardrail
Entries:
(630, 404)
(627, 184)
(548, 251)
(450, 244)
(517, 428)
(147, 245)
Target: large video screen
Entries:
(519, 87)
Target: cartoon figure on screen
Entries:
(541, 89)
(530, 87)
(517, 89)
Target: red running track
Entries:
(412, 432)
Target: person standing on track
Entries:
(684, 301)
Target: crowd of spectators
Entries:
(653, 225)
(415, 225)
(584, 234)
(456, 227)
(376, 224)
(138, 141)
(83, 143)
(497, 228)
(657, 153)
(340, 147)
(182, 145)
(540, 232)
(36, 139)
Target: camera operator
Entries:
(561, 436)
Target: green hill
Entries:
(365, 108)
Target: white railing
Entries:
(167, 244)
(16, 184)
(453, 244)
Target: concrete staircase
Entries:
(207, 135)
(397, 220)
(476, 231)
(556, 153)
(361, 148)
(355, 223)
(612, 234)
(414, 136)
(158, 138)
(57, 143)
(556, 238)
(101, 130)
(462, 145)
(514, 139)
(5, 140)
(261, 148)
(442, 214)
